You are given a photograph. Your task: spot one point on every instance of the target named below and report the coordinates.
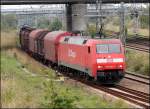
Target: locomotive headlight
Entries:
(118, 60)
(120, 66)
(100, 66)
(101, 60)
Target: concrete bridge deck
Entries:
(20, 2)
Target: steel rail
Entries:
(138, 42)
(137, 75)
(137, 99)
(135, 92)
(138, 48)
(147, 83)
(125, 96)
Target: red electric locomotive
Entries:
(101, 59)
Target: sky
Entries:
(17, 6)
(35, 6)
(26, 6)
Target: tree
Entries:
(91, 29)
(56, 25)
(44, 23)
(8, 21)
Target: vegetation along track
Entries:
(136, 97)
(139, 98)
(138, 78)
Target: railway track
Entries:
(143, 43)
(138, 47)
(137, 97)
(134, 96)
(137, 75)
(137, 43)
(138, 78)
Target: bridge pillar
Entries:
(69, 17)
(78, 19)
(75, 17)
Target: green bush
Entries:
(43, 23)
(57, 98)
(56, 25)
(91, 30)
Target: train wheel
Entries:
(89, 78)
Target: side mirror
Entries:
(89, 50)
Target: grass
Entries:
(8, 39)
(18, 88)
(138, 62)
(27, 61)
(111, 27)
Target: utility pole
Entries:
(135, 17)
(122, 35)
(99, 23)
(97, 2)
(136, 22)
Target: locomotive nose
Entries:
(110, 63)
(110, 69)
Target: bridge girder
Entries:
(21, 2)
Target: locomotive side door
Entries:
(87, 59)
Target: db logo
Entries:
(71, 53)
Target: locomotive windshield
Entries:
(108, 48)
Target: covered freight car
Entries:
(51, 42)
(24, 37)
(33, 39)
(40, 44)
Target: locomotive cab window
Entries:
(102, 48)
(108, 48)
(114, 48)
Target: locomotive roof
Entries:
(85, 40)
